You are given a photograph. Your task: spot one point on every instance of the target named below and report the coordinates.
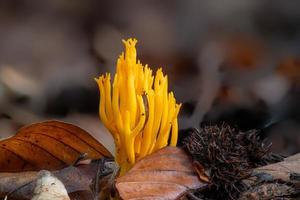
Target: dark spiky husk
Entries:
(229, 155)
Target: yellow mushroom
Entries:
(137, 109)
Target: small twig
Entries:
(100, 174)
(100, 164)
(192, 196)
(80, 158)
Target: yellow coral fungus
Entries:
(138, 110)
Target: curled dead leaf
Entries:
(166, 174)
(202, 174)
(48, 145)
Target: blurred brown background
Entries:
(235, 61)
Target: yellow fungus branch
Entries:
(137, 109)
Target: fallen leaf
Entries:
(49, 145)
(281, 170)
(166, 174)
(78, 181)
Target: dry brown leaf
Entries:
(48, 145)
(274, 181)
(282, 170)
(77, 180)
(166, 174)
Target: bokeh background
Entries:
(235, 61)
